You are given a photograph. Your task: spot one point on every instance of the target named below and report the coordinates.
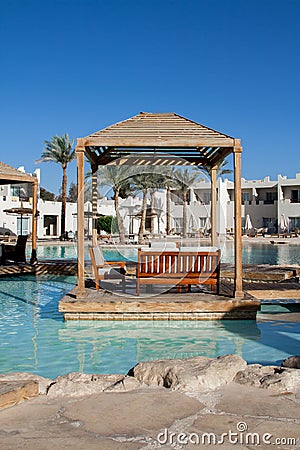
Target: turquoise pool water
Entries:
(34, 338)
(253, 253)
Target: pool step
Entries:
(14, 392)
(262, 272)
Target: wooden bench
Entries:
(178, 268)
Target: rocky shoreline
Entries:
(155, 398)
(197, 374)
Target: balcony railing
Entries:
(269, 202)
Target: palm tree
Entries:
(149, 179)
(184, 181)
(168, 184)
(59, 150)
(142, 182)
(116, 177)
(221, 169)
(156, 181)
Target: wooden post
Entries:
(33, 259)
(213, 212)
(238, 265)
(80, 221)
(94, 168)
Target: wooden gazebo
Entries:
(10, 175)
(159, 139)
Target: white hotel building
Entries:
(265, 201)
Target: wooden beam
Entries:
(214, 206)
(94, 168)
(14, 179)
(238, 271)
(92, 157)
(148, 141)
(104, 155)
(33, 258)
(220, 156)
(81, 292)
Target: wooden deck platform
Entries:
(171, 305)
(260, 282)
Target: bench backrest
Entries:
(178, 263)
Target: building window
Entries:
(269, 223)
(207, 198)
(245, 197)
(178, 223)
(294, 223)
(295, 196)
(176, 197)
(22, 226)
(15, 191)
(202, 221)
(270, 198)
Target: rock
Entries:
(221, 370)
(277, 379)
(253, 374)
(283, 380)
(293, 362)
(43, 383)
(199, 373)
(166, 372)
(77, 384)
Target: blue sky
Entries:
(77, 66)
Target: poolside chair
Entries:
(16, 253)
(106, 270)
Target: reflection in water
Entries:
(115, 346)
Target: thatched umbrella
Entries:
(20, 211)
(284, 223)
(248, 223)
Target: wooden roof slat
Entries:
(161, 127)
(10, 175)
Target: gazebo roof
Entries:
(148, 135)
(10, 175)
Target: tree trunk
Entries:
(168, 229)
(143, 217)
(63, 201)
(152, 212)
(119, 218)
(184, 216)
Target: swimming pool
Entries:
(253, 253)
(34, 338)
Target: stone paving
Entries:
(146, 418)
